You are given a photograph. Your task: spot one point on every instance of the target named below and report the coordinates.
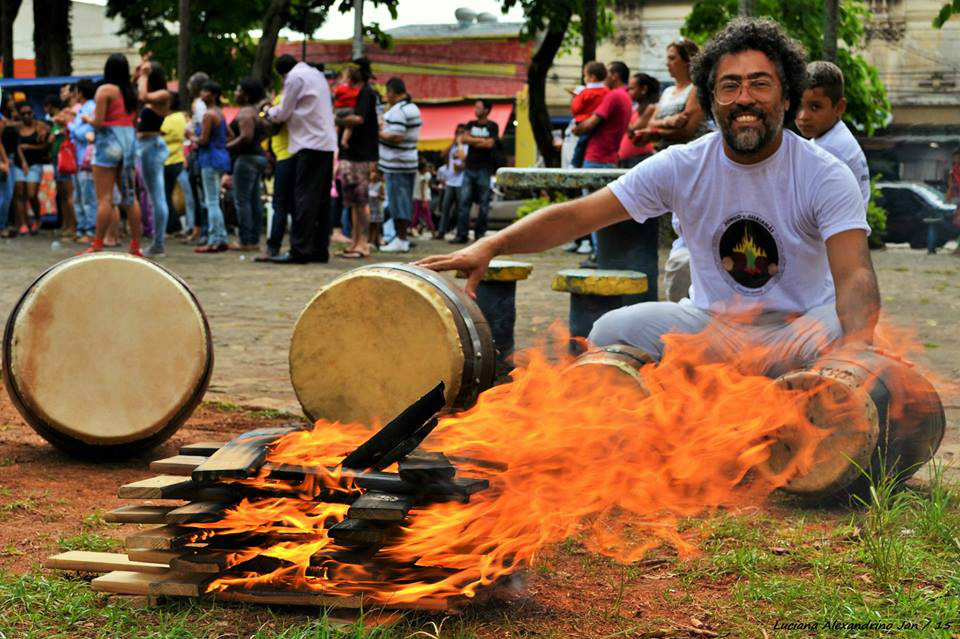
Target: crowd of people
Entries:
(342, 163)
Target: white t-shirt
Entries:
(843, 146)
(421, 186)
(756, 233)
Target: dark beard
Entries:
(750, 141)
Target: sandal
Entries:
(353, 255)
(34, 228)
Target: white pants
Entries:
(676, 277)
(787, 342)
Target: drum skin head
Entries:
(370, 344)
(849, 417)
(107, 350)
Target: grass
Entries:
(890, 567)
(259, 413)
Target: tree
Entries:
(588, 26)
(868, 107)
(551, 21)
(219, 33)
(8, 14)
(306, 16)
(947, 10)
(183, 42)
(52, 44)
(830, 8)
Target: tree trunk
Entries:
(52, 45)
(747, 8)
(183, 50)
(273, 21)
(588, 28)
(357, 50)
(537, 82)
(8, 13)
(830, 30)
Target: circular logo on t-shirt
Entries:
(746, 251)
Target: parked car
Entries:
(908, 204)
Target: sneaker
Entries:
(585, 248)
(154, 252)
(590, 262)
(459, 240)
(571, 247)
(396, 246)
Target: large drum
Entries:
(106, 355)
(878, 413)
(378, 337)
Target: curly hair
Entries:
(758, 34)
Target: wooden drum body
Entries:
(615, 364)
(107, 355)
(378, 337)
(882, 414)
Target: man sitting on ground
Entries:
(767, 217)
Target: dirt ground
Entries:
(46, 495)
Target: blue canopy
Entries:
(24, 84)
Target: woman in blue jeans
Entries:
(214, 161)
(152, 150)
(245, 133)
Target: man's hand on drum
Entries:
(472, 260)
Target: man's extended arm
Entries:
(548, 227)
(858, 296)
(587, 125)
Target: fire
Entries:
(588, 454)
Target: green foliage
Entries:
(94, 542)
(529, 206)
(868, 107)
(221, 44)
(573, 40)
(876, 215)
(946, 11)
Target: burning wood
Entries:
(254, 521)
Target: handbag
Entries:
(67, 158)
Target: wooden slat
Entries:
(168, 583)
(241, 457)
(357, 531)
(160, 487)
(197, 511)
(380, 507)
(297, 598)
(214, 562)
(124, 582)
(155, 556)
(479, 463)
(162, 538)
(204, 449)
(177, 584)
(374, 452)
(138, 514)
(423, 467)
(180, 465)
(86, 561)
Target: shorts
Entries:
(116, 146)
(34, 173)
(355, 179)
(376, 210)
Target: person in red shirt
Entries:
(586, 101)
(345, 95)
(645, 91)
(609, 121)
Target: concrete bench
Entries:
(497, 299)
(594, 292)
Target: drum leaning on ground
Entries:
(879, 414)
(379, 337)
(107, 355)
(616, 364)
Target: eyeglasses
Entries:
(727, 91)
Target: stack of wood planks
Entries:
(180, 556)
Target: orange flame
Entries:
(587, 453)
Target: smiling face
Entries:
(751, 127)
(817, 113)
